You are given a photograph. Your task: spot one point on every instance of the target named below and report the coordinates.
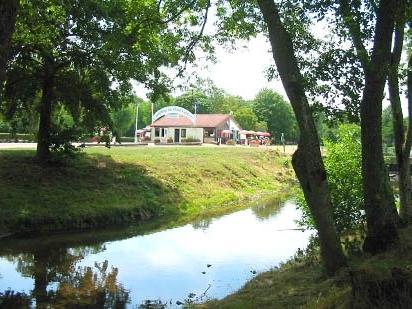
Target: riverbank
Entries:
(103, 187)
(380, 281)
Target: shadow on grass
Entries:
(83, 192)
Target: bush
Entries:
(343, 163)
(190, 139)
(126, 139)
(230, 142)
(8, 137)
(61, 140)
(156, 140)
(169, 140)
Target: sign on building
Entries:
(173, 110)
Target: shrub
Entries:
(156, 140)
(343, 166)
(190, 139)
(169, 140)
(126, 139)
(146, 138)
(230, 142)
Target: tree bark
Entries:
(381, 214)
(43, 137)
(8, 14)
(402, 138)
(307, 160)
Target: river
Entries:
(206, 259)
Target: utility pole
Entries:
(137, 117)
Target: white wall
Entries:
(195, 133)
(234, 126)
(190, 132)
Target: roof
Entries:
(202, 121)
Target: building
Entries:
(174, 124)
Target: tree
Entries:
(123, 119)
(307, 160)
(387, 127)
(273, 109)
(88, 52)
(382, 217)
(193, 97)
(344, 167)
(246, 118)
(402, 134)
(8, 14)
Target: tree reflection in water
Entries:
(91, 288)
(268, 209)
(12, 300)
(81, 287)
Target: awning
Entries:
(263, 134)
(226, 132)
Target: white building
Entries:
(174, 124)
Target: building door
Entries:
(177, 135)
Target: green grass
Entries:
(121, 185)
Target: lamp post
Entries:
(137, 117)
(195, 107)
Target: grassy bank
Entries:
(122, 185)
(380, 281)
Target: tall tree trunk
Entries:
(40, 280)
(43, 137)
(402, 138)
(381, 214)
(8, 14)
(307, 160)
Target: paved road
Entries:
(289, 149)
(18, 145)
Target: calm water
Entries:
(209, 259)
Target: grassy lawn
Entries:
(122, 185)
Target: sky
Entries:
(239, 72)
(242, 71)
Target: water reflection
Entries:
(267, 209)
(209, 258)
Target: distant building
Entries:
(177, 124)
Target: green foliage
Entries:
(388, 136)
(90, 51)
(190, 139)
(123, 119)
(61, 140)
(273, 109)
(8, 137)
(246, 118)
(343, 165)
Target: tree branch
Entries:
(179, 13)
(195, 40)
(355, 32)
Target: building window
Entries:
(182, 132)
(164, 132)
(157, 132)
